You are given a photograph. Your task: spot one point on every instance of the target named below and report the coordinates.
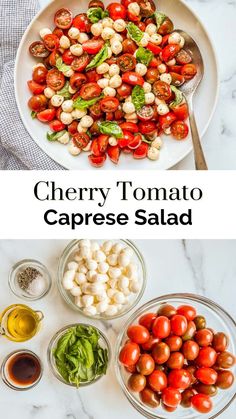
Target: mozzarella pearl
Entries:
(171, 62)
(112, 141)
(81, 129)
(116, 47)
(86, 121)
(87, 300)
(134, 8)
(131, 270)
(73, 149)
(135, 286)
(111, 310)
(116, 37)
(123, 260)
(83, 37)
(119, 25)
(109, 91)
(91, 265)
(156, 39)
(107, 33)
(68, 280)
(153, 153)
(72, 91)
(149, 98)
(107, 246)
(69, 72)
(67, 106)
(162, 68)
(114, 69)
(119, 298)
(167, 131)
(157, 143)
(90, 311)
(115, 81)
(88, 146)
(131, 117)
(117, 248)
(64, 139)
(128, 107)
(44, 32)
(57, 100)
(80, 278)
(103, 267)
(145, 39)
(141, 69)
(112, 259)
(102, 307)
(76, 291)
(151, 29)
(76, 50)
(123, 283)
(64, 42)
(99, 256)
(78, 113)
(85, 252)
(74, 33)
(107, 22)
(94, 246)
(103, 83)
(162, 109)
(78, 302)
(91, 275)
(114, 273)
(96, 29)
(73, 266)
(147, 87)
(182, 42)
(49, 93)
(85, 243)
(66, 118)
(102, 68)
(174, 38)
(166, 77)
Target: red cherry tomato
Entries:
(207, 357)
(51, 42)
(146, 113)
(147, 320)
(167, 120)
(136, 142)
(126, 139)
(174, 343)
(183, 57)
(90, 91)
(37, 103)
(133, 18)
(36, 88)
(63, 18)
(58, 32)
(179, 130)
(113, 153)
(189, 71)
(138, 334)
(187, 311)
(93, 76)
(109, 104)
(181, 111)
(47, 115)
(175, 361)
(149, 397)
(129, 354)
(68, 57)
(161, 327)
(148, 346)
(55, 79)
(177, 79)
(40, 74)
(156, 49)
(102, 141)
(126, 62)
(130, 77)
(147, 127)
(179, 325)
(169, 52)
(202, 403)
(141, 151)
(162, 90)
(180, 379)
(206, 375)
(72, 128)
(80, 63)
(77, 80)
(171, 397)
(157, 380)
(56, 126)
(204, 337)
(220, 342)
(82, 23)
(81, 140)
(160, 353)
(145, 364)
(190, 350)
(116, 11)
(93, 46)
(38, 50)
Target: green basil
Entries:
(33, 114)
(144, 56)
(65, 91)
(110, 128)
(80, 103)
(134, 32)
(160, 17)
(178, 97)
(62, 66)
(53, 136)
(96, 13)
(138, 97)
(99, 58)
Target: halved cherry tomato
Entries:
(39, 74)
(47, 115)
(80, 63)
(97, 161)
(129, 354)
(138, 334)
(81, 140)
(169, 52)
(126, 62)
(189, 71)
(102, 141)
(126, 139)
(141, 25)
(162, 90)
(180, 379)
(55, 79)
(93, 46)
(156, 49)
(113, 153)
(56, 125)
(124, 90)
(95, 148)
(109, 104)
(129, 126)
(161, 327)
(155, 62)
(141, 151)
(72, 128)
(202, 403)
(38, 50)
(116, 11)
(177, 79)
(157, 380)
(166, 27)
(95, 111)
(132, 78)
(119, 114)
(167, 120)
(147, 127)
(183, 57)
(68, 57)
(171, 397)
(129, 46)
(37, 103)
(93, 76)
(77, 80)
(179, 130)
(146, 113)
(63, 18)
(58, 32)
(90, 90)
(82, 23)
(53, 58)
(35, 88)
(147, 7)
(109, 116)
(96, 3)
(51, 42)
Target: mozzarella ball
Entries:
(107, 33)
(64, 42)
(103, 267)
(107, 76)
(64, 139)
(67, 106)
(166, 77)
(141, 69)
(102, 306)
(88, 146)
(85, 252)
(114, 69)
(162, 109)
(147, 87)
(82, 269)
(109, 91)
(116, 47)
(71, 91)
(107, 246)
(73, 266)
(116, 37)
(131, 270)
(112, 141)
(101, 278)
(97, 29)
(114, 273)
(81, 129)
(68, 279)
(84, 243)
(49, 93)
(76, 291)
(91, 264)
(109, 52)
(182, 42)
(83, 37)
(115, 81)
(86, 121)
(94, 246)
(123, 283)
(57, 100)
(157, 143)
(149, 98)
(78, 301)
(135, 286)
(174, 38)
(145, 39)
(87, 300)
(123, 260)
(80, 278)
(96, 288)
(119, 297)
(111, 310)
(131, 117)
(119, 25)
(159, 101)
(151, 29)
(44, 32)
(103, 83)
(99, 256)
(78, 113)
(73, 149)
(107, 22)
(90, 311)
(69, 73)
(111, 292)
(117, 247)
(76, 50)
(66, 118)
(74, 33)
(112, 259)
(102, 68)
(128, 251)
(156, 39)
(128, 107)
(153, 153)
(134, 8)
(171, 62)
(91, 275)
(162, 68)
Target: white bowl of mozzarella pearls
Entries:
(102, 279)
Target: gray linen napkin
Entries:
(18, 151)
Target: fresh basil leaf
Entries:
(178, 97)
(110, 128)
(62, 344)
(65, 91)
(99, 58)
(62, 66)
(80, 103)
(138, 97)
(53, 136)
(160, 17)
(33, 115)
(144, 56)
(96, 13)
(134, 32)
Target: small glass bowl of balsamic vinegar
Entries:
(21, 370)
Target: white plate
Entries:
(172, 151)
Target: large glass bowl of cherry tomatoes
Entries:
(176, 358)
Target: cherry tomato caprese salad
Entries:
(108, 80)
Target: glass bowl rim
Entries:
(66, 298)
(51, 346)
(4, 362)
(147, 306)
(12, 273)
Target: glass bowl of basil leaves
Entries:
(79, 355)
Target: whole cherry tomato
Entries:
(171, 397)
(186, 397)
(37, 103)
(147, 319)
(220, 342)
(124, 90)
(174, 343)
(138, 334)
(190, 332)
(224, 359)
(178, 324)
(225, 379)
(180, 379)
(129, 46)
(200, 322)
(204, 337)
(129, 354)
(187, 311)
(161, 327)
(206, 375)
(157, 380)
(210, 390)
(149, 397)
(175, 361)
(145, 364)
(207, 357)
(202, 403)
(40, 74)
(116, 11)
(161, 352)
(47, 115)
(130, 77)
(147, 346)
(190, 350)
(167, 310)
(137, 382)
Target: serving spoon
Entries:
(189, 89)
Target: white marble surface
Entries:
(219, 143)
(204, 267)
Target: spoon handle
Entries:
(200, 162)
